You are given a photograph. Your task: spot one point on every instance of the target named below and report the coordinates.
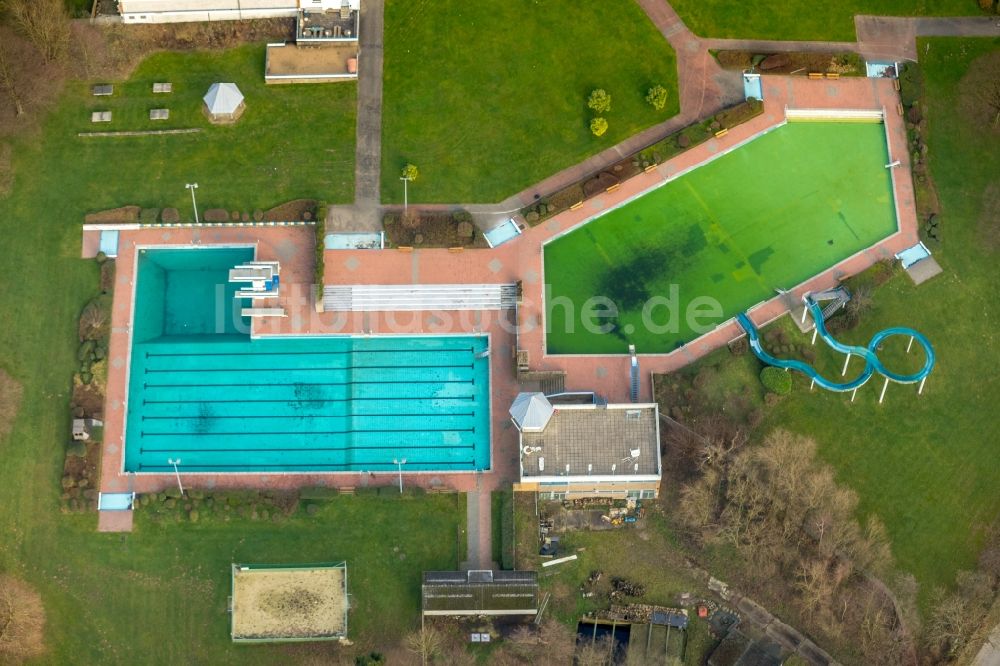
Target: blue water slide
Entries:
(872, 363)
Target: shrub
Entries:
(776, 380)
(389, 219)
(657, 97)
(86, 377)
(149, 215)
(86, 350)
(216, 215)
(311, 509)
(93, 322)
(411, 172)
(170, 215)
(599, 101)
(684, 141)
(598, 126)
(76, 450)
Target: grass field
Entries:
(159, 594)
(292, 141)
(771, 214)
(804, 20)
(926, 465)
(489, 97)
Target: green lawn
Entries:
(926, 465)
(489, 97)
(804, 20)
(158, 595)
(292, 141)
(721, 238)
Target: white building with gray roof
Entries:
(588, 449)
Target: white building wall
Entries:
(178, 11)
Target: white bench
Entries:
(163, 87)
(263, 312)
(159, 114)
(100, 117)
(250, 273)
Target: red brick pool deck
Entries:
(518, 260)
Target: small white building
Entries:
(180, 11)
(573, 450)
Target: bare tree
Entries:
(427, 644)
(7, 79)
(597, 653)
(22, 621)
(44, 22)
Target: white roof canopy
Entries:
(531, 412)
(223, 98)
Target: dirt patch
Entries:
(10, 402)
(121, 215)
(432, 229)
(6, 169)
(327, 59)
(979, 93)
(88, 401)
(22, 621)
(989, 217)
(292, 211)
(792, 63)
(599, 183)
(284, 603)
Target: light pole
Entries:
(175, 463)
(406, 181)
(400, 463)
(193, 187)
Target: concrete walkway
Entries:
(368, 150)
(879, 37)
(365, 214)
(479, 528)
(989, 655)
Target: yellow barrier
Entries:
(405, 248)
(613, 187)
(577, 206)
(455, 249)
(833, 75)
(722, 133)
(651, 167)
(815, 75)
(899, 109)
(895, 84)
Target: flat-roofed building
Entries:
(482, 592)
(570, 451)
(179, 11)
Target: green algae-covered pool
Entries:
(719, 239)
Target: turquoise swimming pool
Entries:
(203, 392)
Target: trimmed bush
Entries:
(599, 101)
(776, 380)
(76, 450)
(657, 97)
(598, 126)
